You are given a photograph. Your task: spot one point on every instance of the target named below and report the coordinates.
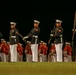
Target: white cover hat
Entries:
(52, 43)
(12, 23)
(8, 42)
(59, 21)
(2, 39)
(67, 43)
(36, 21)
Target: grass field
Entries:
(32, 68)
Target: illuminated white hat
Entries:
(20, 44)
(8, 42)
(2, 39)
(41, 41)
(5, 41)
(36, 21)
(58, 21)
(45, 43)
(67, 43)
(12, 23)
(28, 42)
(52, 43)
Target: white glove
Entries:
(74, 30)
(60, 35)
(25, 51)
(25, 37)
(13, 37)
(51, 34)
(40, 55)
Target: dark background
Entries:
(23, 13)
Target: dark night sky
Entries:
(46, 12)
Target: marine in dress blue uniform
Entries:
(34, 33)
(13, 39)
(58, 34)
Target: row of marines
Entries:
(44, 54)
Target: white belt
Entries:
(35, 36)
(13, 37)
